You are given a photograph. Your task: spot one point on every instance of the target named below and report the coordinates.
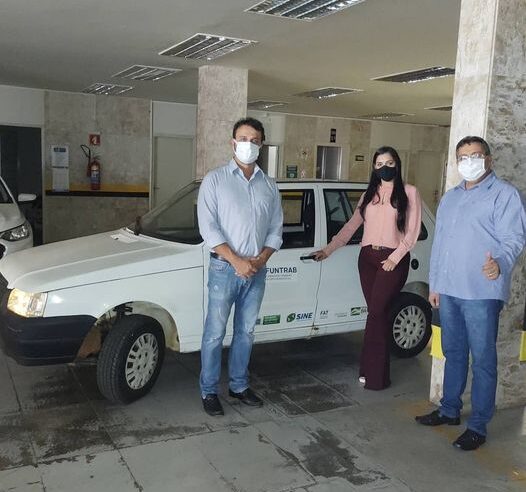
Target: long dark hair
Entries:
(398, 197)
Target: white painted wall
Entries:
(274, 124)
(20, 106)
(171, 119)
(397, 135)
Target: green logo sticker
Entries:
(356, 311)
(272, 319)
(291, 317)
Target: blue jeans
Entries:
(470, 326)
(224, 290)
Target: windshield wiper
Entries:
(137, 229)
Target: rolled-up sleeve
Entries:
(413, 223)
(207, 214)
(274, 237)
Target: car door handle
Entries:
(308, 257)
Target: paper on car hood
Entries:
(99, 258)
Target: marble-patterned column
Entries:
(221, 101)
(489, 101)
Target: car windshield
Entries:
(4, 195)
(174, 220)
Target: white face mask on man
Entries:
(247, 152)
(471, 168)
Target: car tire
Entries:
(131, 358)
(410, 318)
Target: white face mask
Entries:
(471, 168)
(246, 152)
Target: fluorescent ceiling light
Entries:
(206, 47)
(440, 108)
(106, 89)
(301, 9)
(145, 72)
(384, 116)
(418, 75)
(261, 104)
(327, 92)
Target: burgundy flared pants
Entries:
(379, 288)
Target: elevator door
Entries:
(328, 162)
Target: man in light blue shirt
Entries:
(241, 221)
(480, 232)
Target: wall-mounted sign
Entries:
(292, 171)
(359, 158)
(60, 167)
(333, 135)
(94, 138)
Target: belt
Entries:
(218, 257)
(379, 248)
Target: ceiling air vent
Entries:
(301, 9)
(265, 104)
(144, 72)
(326, 92)
(106, 89)
(418, 75)
(206, 47)
(440, 108)
(384, 116)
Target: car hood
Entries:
(10, 216)
(92, 259)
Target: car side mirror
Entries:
(26, 197)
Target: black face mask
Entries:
(386, 173)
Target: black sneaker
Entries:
(248, 397)
(470, 440)
(212, 405)
(434, 418)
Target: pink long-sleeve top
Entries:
(380, 223)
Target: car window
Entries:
(174, 220)
(4, 195)
(339, 207)
(298, 218)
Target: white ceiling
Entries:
(69, 44)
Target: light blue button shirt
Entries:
(245, 214)
(490, 217)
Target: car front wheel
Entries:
(130, 359)
(410, 317)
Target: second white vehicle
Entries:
(126, 295)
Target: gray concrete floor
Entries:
(318, 431)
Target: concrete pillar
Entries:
(221, 101)
(489, 101)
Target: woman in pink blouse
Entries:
(391, 214)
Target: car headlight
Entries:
(27, 304)
(17, 233)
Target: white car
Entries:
(15, 232)
(126, 295)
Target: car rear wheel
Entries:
(411, 324)
(130, 359)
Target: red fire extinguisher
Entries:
(94, 174)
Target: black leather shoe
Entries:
(248, 397)
(470, 440)
(212, 405)
(434, 418)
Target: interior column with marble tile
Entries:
(490, 83)
(221, 101)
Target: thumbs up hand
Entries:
(491, 268)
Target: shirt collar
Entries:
(485, 183)
(233, 167)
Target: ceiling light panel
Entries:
(106, 89)
(307, 10)
(327, 92)
(440, 108)
(146, 73)
(384, 116)
(261, 104)
(206, 47)
(418, 75)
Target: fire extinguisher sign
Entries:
(94, 138)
